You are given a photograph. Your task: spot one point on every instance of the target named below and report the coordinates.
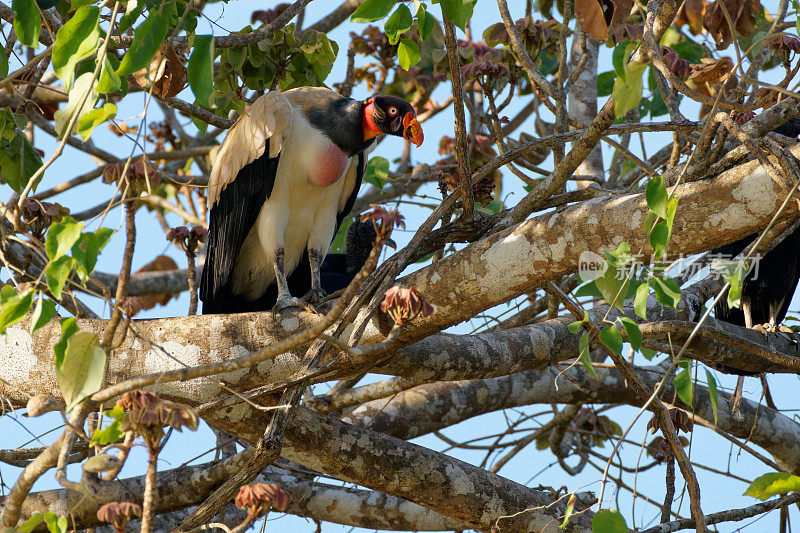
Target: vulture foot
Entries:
(315, 296)
(286, 302)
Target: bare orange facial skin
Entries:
(368, 122)
(412, 130)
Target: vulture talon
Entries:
(315, 296)
(287, 302)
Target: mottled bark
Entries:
(582, 102)
(187, 486)
(432, 407)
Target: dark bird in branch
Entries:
(768, 287)
(285, 178)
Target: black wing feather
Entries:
(768, 289)
(333, 272)
(231, 219)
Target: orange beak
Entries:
(412, 130)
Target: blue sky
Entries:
(531, 467)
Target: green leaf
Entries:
(108, 81)
(733, 272)
(77, 4)
(608, 521)
(588, 289)
(372, 10)
(627, 93)
(57, 273)
(659, 239)
(666, 290)
(55, 524)
(647, 353)
(80, 373)
(61, 237)
(19, 161)
(633, 331)
(30, 524)
(3, 64)
(425, 22)
(377, 171)
(113, 432)
(683, 386)
(133, 8)
(86, 250)
(768, 485)
(147, 39)
(712, 393)
(408, 53)
(201, 70)
(27, 22)
(619, 57)
(83, 90)
(613, 285)
(398, 23)
(94, 118)
(459, 11)
(640, 301)
(583, 354)
(657, 196)
(13, 306)
(69, 326)
(75, 41)
(568, 512)
(690, 51)
(605, 83)
(44, 311)
(612, 338)
(576, 326)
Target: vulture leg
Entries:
(317, 293)
(748, 323)
(285, 299)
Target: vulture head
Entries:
(393, 116)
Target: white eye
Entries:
(393, 111)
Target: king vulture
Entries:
(768, 288)
(285, 177)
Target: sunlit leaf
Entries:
(459, 11)
(13, 306)
(377, 171)
(19, 161)
(75, 41)
(640, 301)
(633, 332)
(612, 338)
(766, 486)
(201, 70)
(86, 250)
(683, 386)
(372, 10)
(27, 22)
(43, 312)
(657, 196)
(627, 93)
(425, 22)
(61, 237)
(408, 53)
(398, 23)
(80, 374)
(30, 524)
(147, 39)
(583, 354)
(608, 521)
(82, 97)
(57, 273)
(94, 118)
